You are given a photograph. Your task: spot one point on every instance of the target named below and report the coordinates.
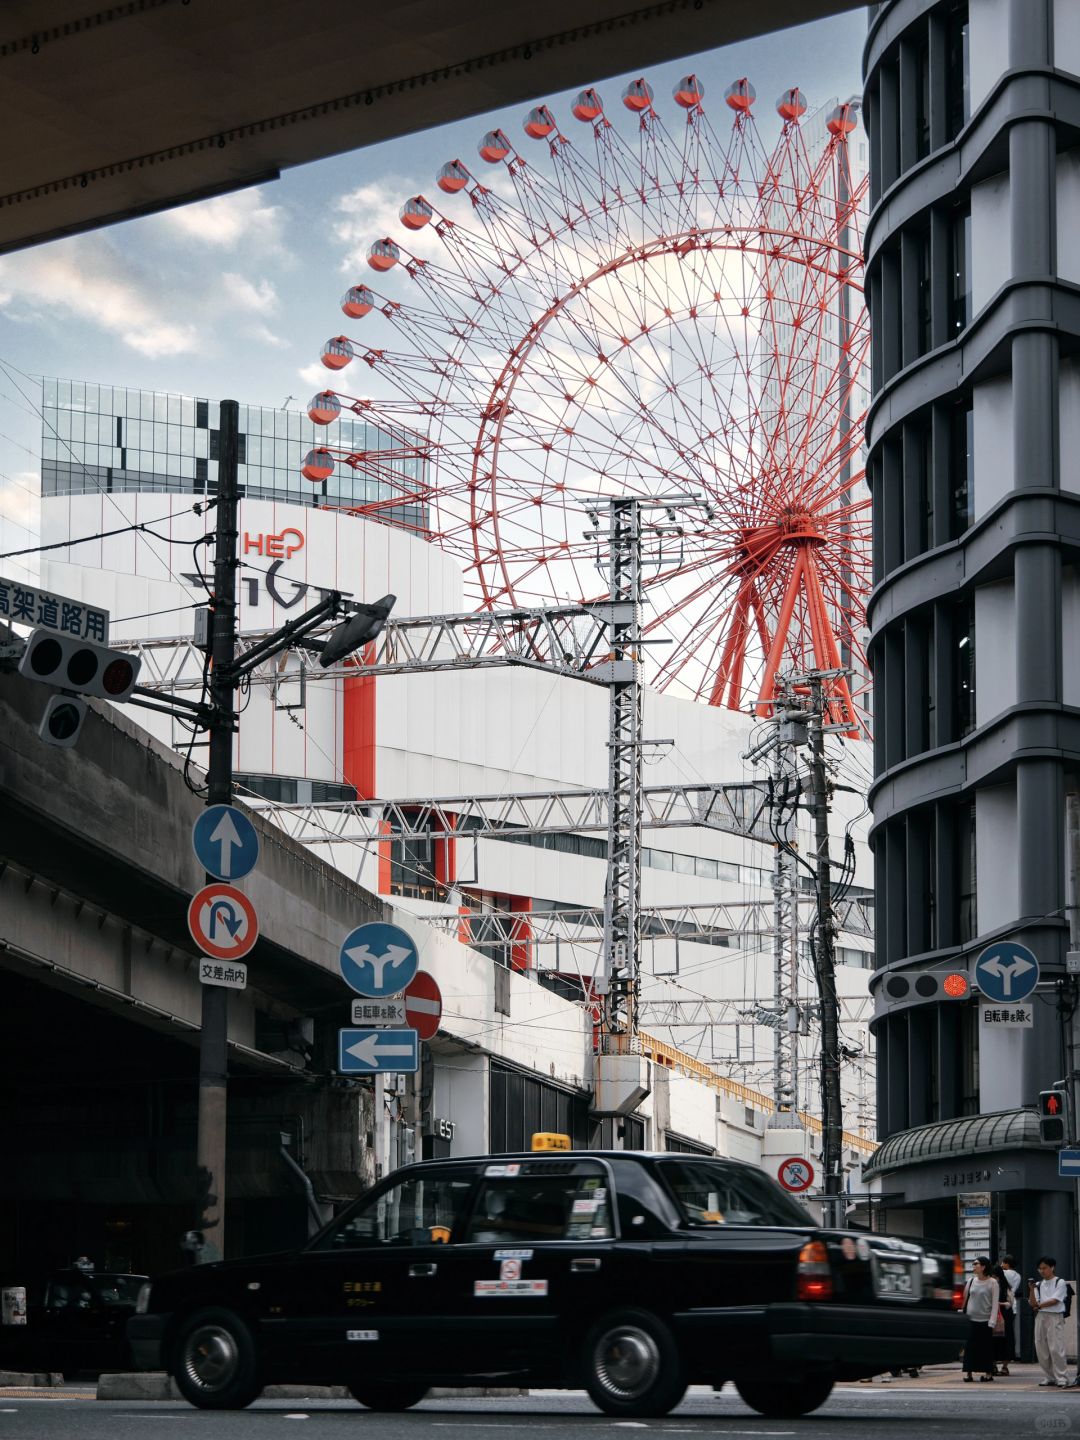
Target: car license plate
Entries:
(895, 1277)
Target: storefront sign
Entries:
(957, 1178)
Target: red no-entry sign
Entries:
(423, 1005)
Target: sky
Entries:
(234, 297)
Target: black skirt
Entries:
(1003, 1344)
(979, 1347)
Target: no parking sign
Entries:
(795, 1174)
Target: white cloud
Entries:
(263, 335)
(229, 221)
(317, 376)
(247, 294)
(89, 279)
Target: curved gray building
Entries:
(973, 282)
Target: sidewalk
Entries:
(951, 1377)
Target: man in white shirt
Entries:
(1047, 1299)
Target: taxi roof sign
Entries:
(546, 1140)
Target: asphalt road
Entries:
(853, 1412)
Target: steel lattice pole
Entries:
(622, 893)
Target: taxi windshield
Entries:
(710, 1192)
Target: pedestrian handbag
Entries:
(999, 1323)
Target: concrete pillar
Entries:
(908, 102)
(1037, 582)
(915, 491)
(1035, 410)
(1030, 33)
(1040, 836)
(940, 480)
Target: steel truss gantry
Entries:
(736, 809)
(571, 640)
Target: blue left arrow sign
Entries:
(374, 1052)
(225, 842)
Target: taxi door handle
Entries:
(425, 1269)
(584, 1267)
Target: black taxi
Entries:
(632, 1275)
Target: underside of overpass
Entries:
(100, 1012)
(134, 107)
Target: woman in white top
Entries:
(981, 1301)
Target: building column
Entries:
(946, 905)
(1037, 593)
(1030, 33)
(1040, 837)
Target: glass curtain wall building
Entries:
(104, 438)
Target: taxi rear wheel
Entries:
(384, 1395)
(214, 1361)
(631, 1365)
(785, 1399)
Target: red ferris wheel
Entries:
(644, 313)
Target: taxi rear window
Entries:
(709, 1193)
(565, 1204)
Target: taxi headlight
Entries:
(142, 1304)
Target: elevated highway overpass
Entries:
(112, 111)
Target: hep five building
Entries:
(973, 276)
(114, 458)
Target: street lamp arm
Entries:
(293, 630)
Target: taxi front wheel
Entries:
(631, 1365)
(214, 1361)
(384, 1395)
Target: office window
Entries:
(924, 330)
(922, 98)
(960, 268)
(962, 468)
(958, 83)
(964, 637)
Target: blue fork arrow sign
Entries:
(374, 1052)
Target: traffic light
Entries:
(74, 664)
(62, 721)
(916, 987)
(1053, 1117)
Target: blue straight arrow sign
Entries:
(225, 842)
(375, 1052)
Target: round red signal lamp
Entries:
(117, 677)
(955, 986)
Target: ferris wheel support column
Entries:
(619, 981)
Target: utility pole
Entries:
(825, 954)
(213, 1041)
(785, 971)
(622, 893)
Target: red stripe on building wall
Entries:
(522, 933)
(358, 732)
(385, 869)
